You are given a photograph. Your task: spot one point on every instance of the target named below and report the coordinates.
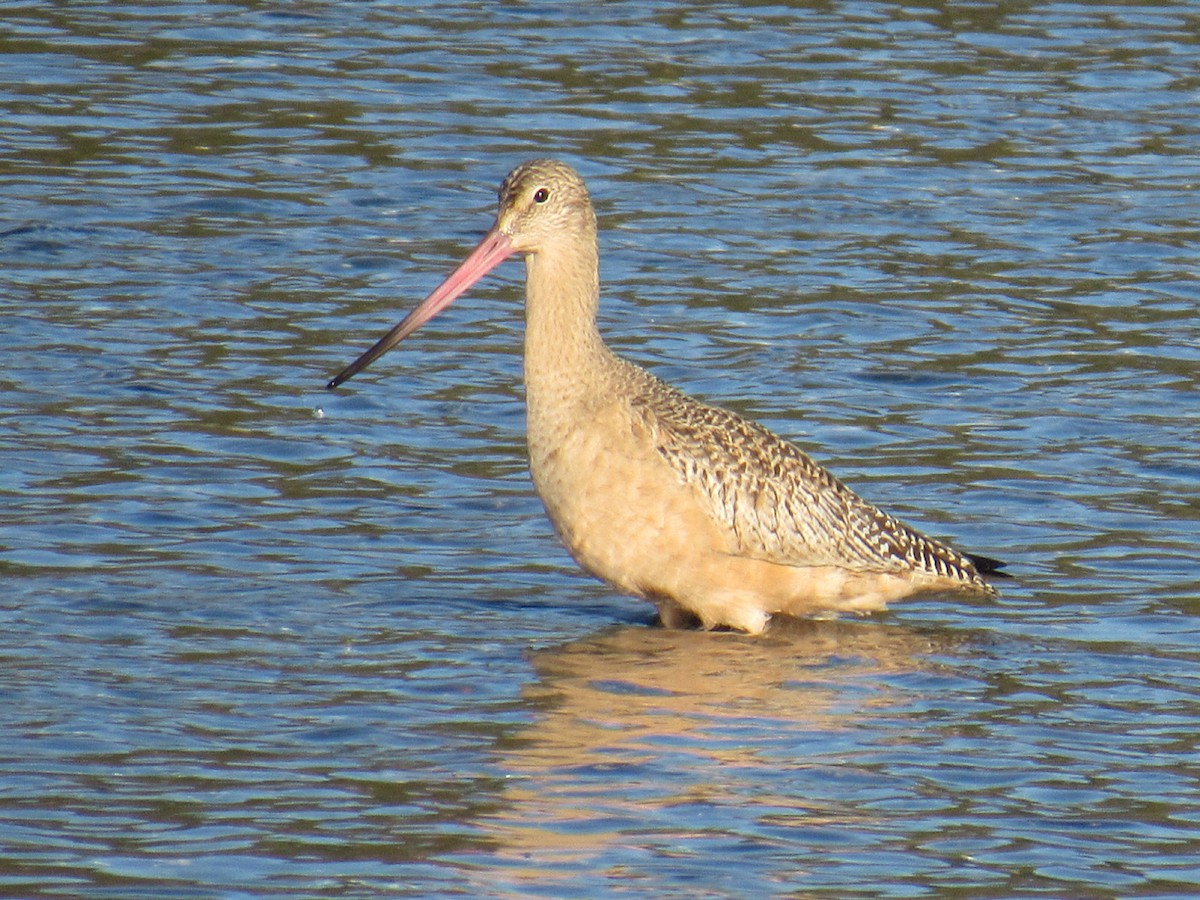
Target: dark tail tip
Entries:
(985, 565)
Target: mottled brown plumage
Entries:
(708, 515)
(780, 504)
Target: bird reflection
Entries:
(637, 722)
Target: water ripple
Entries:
(264, 640)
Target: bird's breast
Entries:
(622, 512)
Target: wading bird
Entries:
(709, 516)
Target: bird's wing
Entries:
(780, 505)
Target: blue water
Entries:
(260, 639)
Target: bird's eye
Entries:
(541, 195)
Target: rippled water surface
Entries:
(259, 639)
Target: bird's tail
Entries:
(985, 565)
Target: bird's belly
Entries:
(621, 511)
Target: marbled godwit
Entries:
(711, 517)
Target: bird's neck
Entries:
(564, 353)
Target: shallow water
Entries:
(260, 639)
